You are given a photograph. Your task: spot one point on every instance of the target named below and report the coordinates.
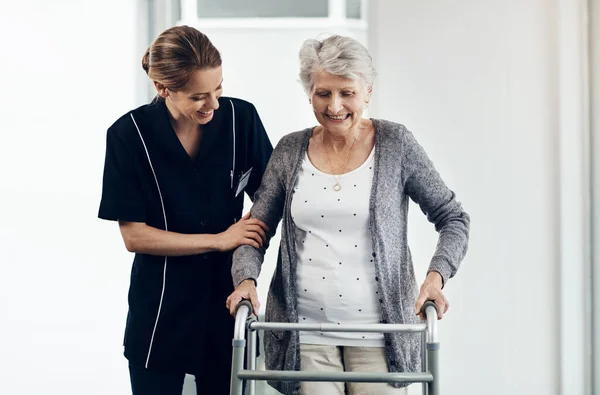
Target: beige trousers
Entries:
(349, 359)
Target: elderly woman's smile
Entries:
(338, 101)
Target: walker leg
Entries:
(237, 364)
(424, 359)
(251, 362)
(432, 362)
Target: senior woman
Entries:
(342, 189)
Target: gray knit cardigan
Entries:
(402, 170)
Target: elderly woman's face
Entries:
(338, 102)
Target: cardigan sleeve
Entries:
(260, 151)
(425, 187)
(268, 206)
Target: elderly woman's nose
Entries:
(335, 104)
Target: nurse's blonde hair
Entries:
(176, 54)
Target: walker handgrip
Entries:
(428, 304)
(244, 302)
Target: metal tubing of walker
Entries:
(239, 347)
(380, 328)
(431, 314)
(432, 361)
(251, 362)
(242, 314)
(424, 358)
(348, 377)
(432, 350)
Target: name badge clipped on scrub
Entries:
(243, 182)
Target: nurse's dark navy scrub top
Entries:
(177, 318)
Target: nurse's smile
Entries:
(206, 114)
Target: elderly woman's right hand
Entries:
(245, 290)
(250, 231)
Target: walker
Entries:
(245, 333)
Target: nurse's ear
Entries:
(161, 89)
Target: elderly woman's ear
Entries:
(368, 95)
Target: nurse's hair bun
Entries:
(146, 61)
(176, 54)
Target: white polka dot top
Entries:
(335, 272)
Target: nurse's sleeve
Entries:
(122, 197)
(260, 153)
(268, 207)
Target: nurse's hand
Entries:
(249, 231)
(245, 290)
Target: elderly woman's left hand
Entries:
(432, 290)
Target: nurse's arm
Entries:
(144, 239)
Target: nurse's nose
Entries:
(213, 102)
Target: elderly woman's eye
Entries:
(347, 93)
(323, 94)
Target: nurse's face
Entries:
(198, 99)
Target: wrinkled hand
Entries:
(245, 290)
(250, 231)
(432, 290)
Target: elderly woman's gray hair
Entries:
(337, 55)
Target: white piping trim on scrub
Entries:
(162, 294)
(233, 132)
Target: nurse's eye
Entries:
(196, 98)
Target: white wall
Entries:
(478, 83)
(69, 69)
(595, 149)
